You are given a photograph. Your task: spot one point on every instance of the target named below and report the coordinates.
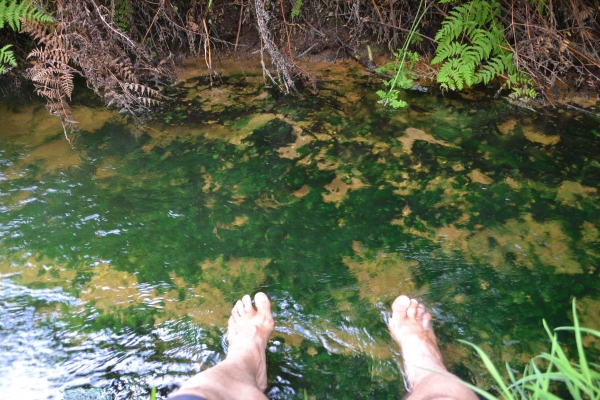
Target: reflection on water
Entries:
(122, 256)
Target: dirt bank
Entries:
(248, 60)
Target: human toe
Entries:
(238, 309)
(411, 312)
(426, 321)
(400, 306)
(263, 305)
(247, 305)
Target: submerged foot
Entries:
(410, 327)
(248, 333)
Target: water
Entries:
(121, 258)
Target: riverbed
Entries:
(123, 251)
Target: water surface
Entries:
(121, 257)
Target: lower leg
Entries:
(427, 376)
(243, 374)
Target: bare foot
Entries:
(243, 373)
(248, 333)
(410, 327)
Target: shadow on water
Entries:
(120, 259)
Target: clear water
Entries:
(121, 258)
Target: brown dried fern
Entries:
(84, 41)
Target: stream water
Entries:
(121, 257)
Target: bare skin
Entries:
(427, 376)
(243, 374)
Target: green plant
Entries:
(401, 70)
(472, 49)
(11, 14)
(296, 9)
(581, 377)
(7, 57)
(121, 14)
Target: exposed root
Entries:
(283, 67)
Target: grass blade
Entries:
(492, 370)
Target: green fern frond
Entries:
(11, 13)
(483, 39)
(7, 57)
(2, 12)
(485, 75)
(448, 51)
(10, 16)
(472, 55)
(470, 26)
(484, 13)
(472, 48)
(523, 93)
(296, 9)
(443, 36)
(455, 74)
(456, 19)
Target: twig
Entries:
(207, 51)
(237, 38)
(380, 18)
(306, 51)
(66, 135)
(131, 42)
(581, 109)
(162, 3)
(287, 32)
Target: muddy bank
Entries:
(316, 66)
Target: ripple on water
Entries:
(121, 258)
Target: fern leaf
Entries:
(446, 76)
(509, 63)
(457, 20)
(471, 47)
(7, 57)
(481, 39)
(443, 35)
(10, 15)
(496, 34)
(66, 84)
(13, 12)
(469, 27)
(296, 9)
(483, 14)
(468, 75)
(495, 66)
(485, 75)
(472, 55)
(21, 12)
(2, 13)
(495, 7)
(37, 15)
(448, 51)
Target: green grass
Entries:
(548, 371)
